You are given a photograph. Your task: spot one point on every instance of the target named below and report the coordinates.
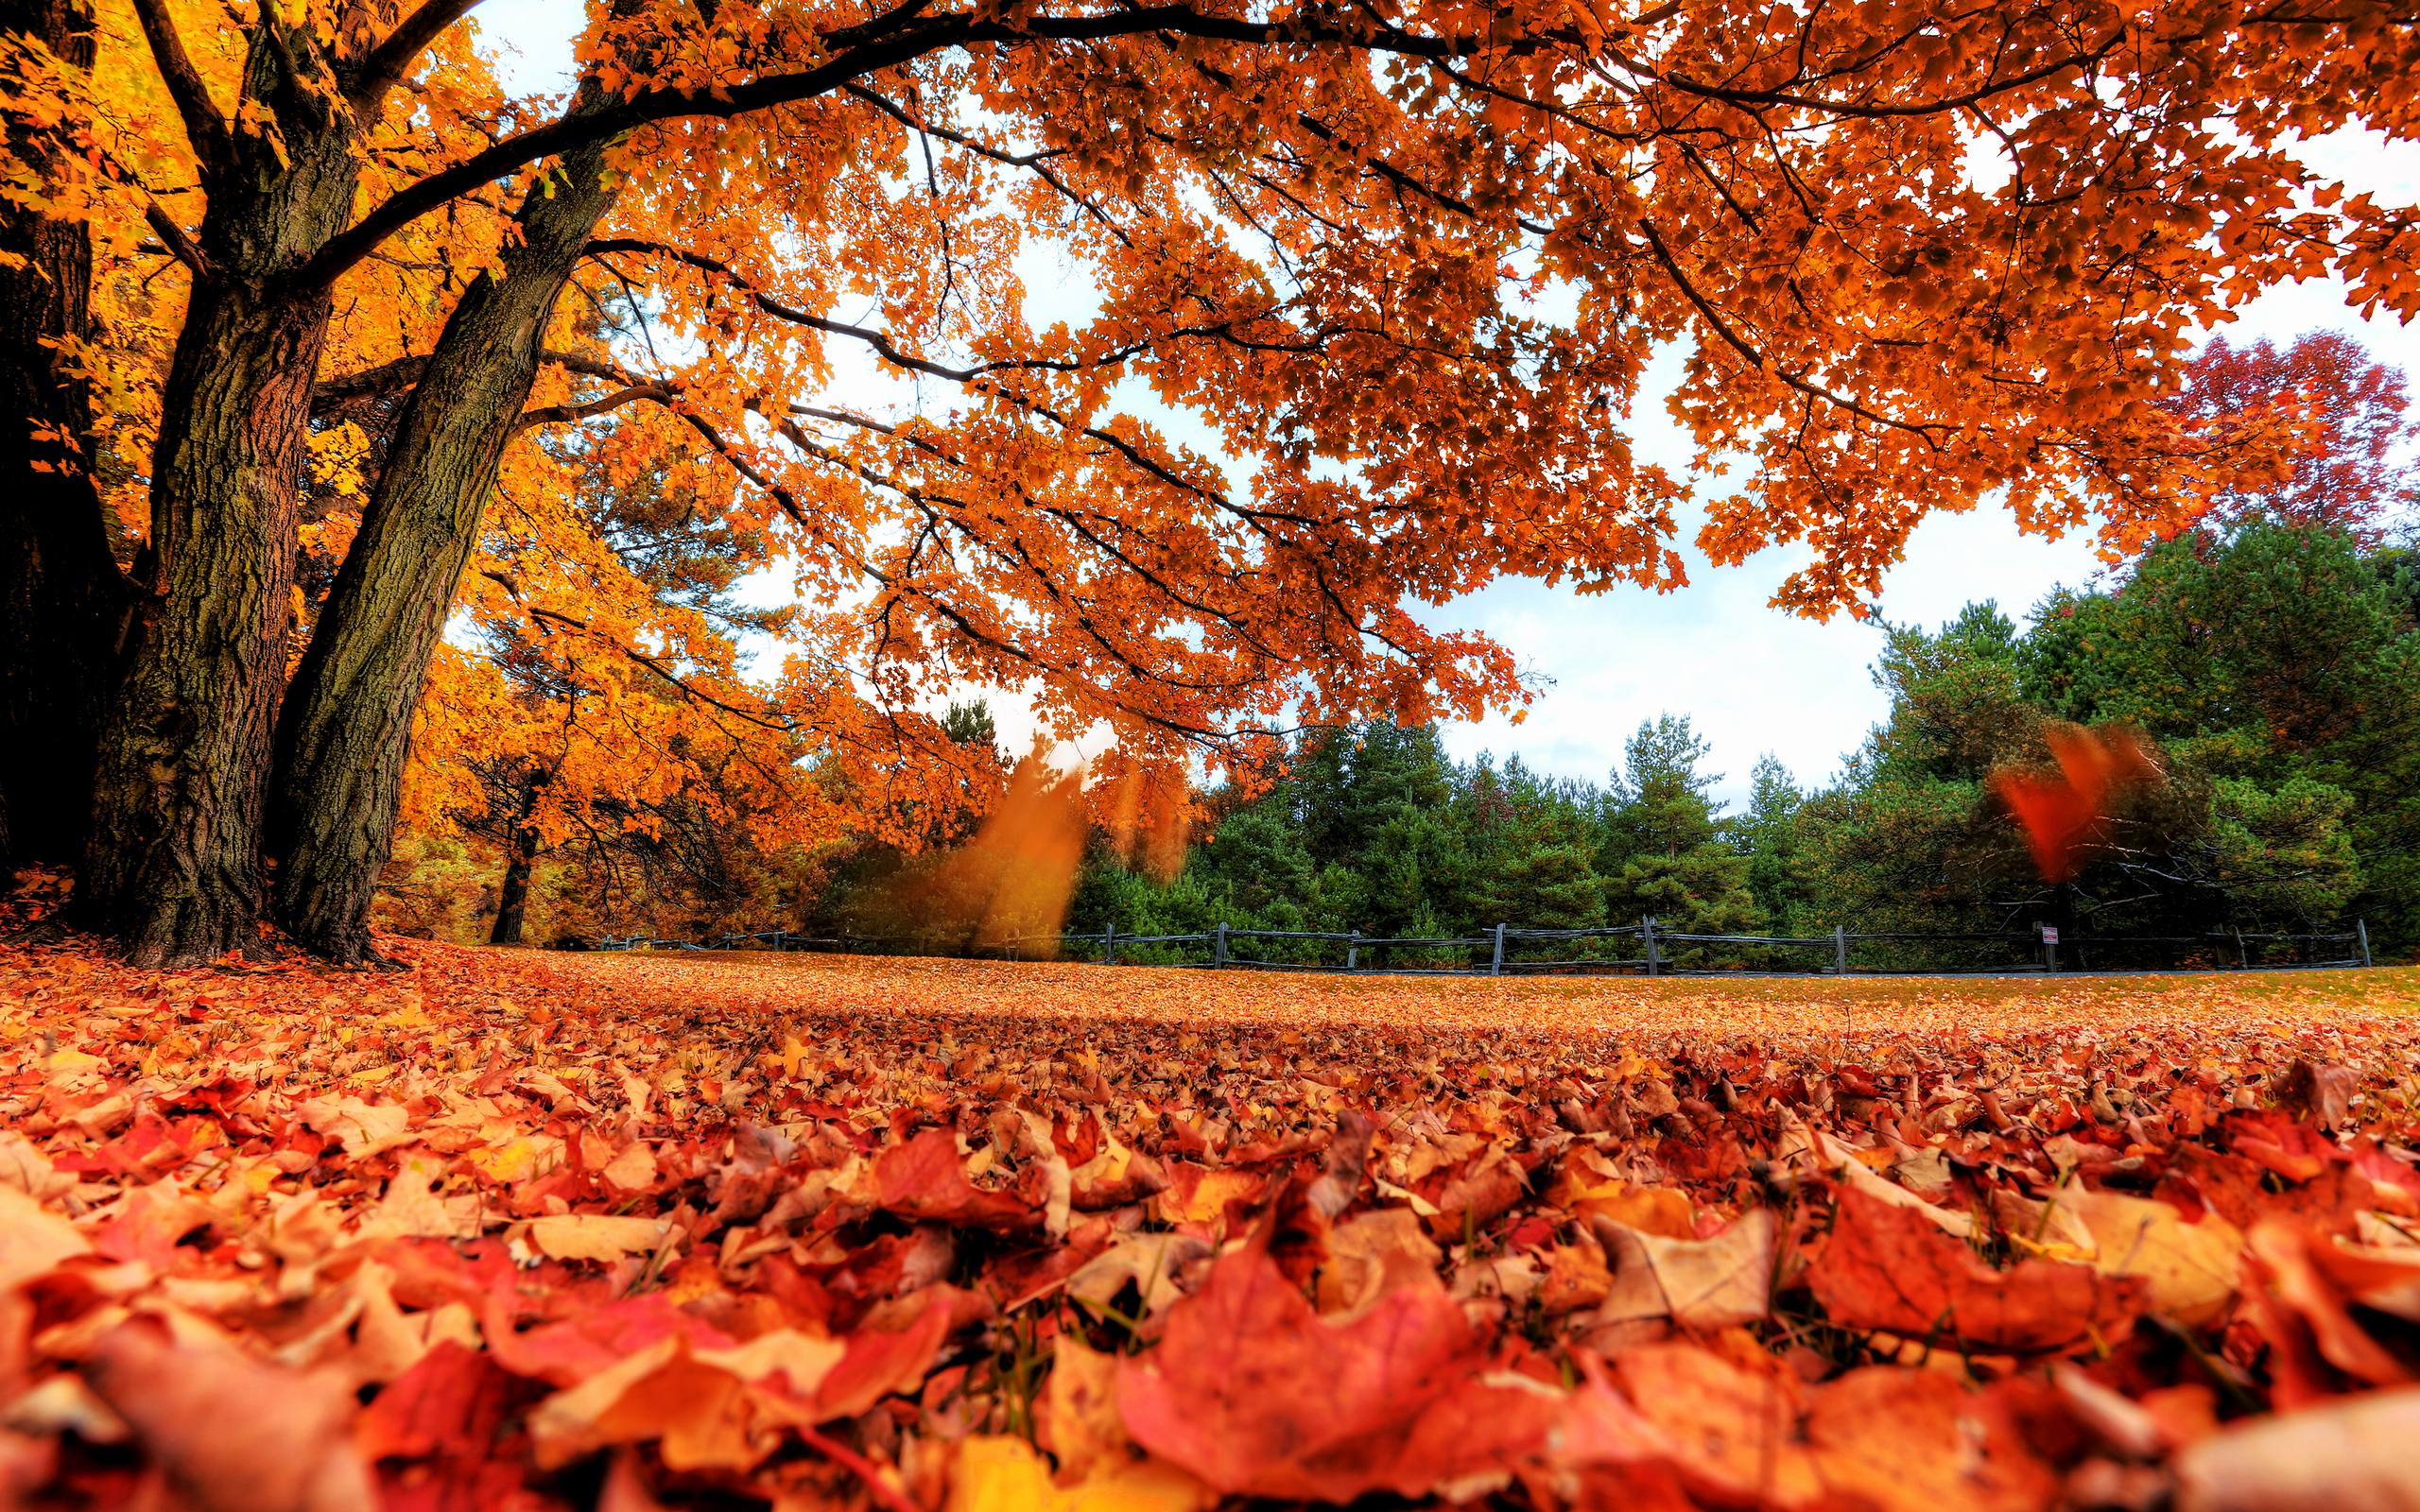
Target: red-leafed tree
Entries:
(2350, 463)
(1406, 264)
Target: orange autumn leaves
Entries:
(1256, 1394)
(561, 1232)
(1007, 889)
(2063, 813)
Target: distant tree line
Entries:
(2275, 668)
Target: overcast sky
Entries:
(1752, 678)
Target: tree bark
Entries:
(173, 864)
(512, 897)
(346, 727)
(63, 600)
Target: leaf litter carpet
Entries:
(509, 1230)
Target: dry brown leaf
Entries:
(1077, 1415)
(33, 1240)
(1150, 1263)
(2190, 1271)
(705, 1409)
(1371, 1254)
(1699, 1283)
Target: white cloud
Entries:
(1751, 678)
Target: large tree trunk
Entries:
(346, 727)
(173, 866)
(63, 599)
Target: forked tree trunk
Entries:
(346, 727)
(173, 864)
(63, 599)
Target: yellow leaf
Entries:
(1208, 1200)
(995, 1472)
(67, 1062)
(594, 1236)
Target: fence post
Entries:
(2049, 948)
(1839, 950)
(2243, 952)
(1109, 945)
(1647, 928)
(1218, 952)
(1353, 952)
(1495, 967)
(2361, 929)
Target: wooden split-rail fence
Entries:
(1644, 949)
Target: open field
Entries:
(1566, 1005)
(802, 1231)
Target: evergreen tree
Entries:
(1768, 835)
(2275, 669)
(1664, 848)
(1543, 883)
(1658, 801)
(2267, 655)
(1406, 869)
(1255, 868)
(971, 724)
(1354, 780)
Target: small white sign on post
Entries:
(2049, 933)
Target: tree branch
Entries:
(173, 236)
(977, 377)
(332, 394)
(557, 414)
(956, 618)
(1853, 110)
(1037, 162)
(384, 64)
(887, 46)
(1762, 363)
(653, 665)
(212, 141)
(878, 339)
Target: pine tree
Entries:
(1666, 857)
(1541, 883)
(1768, 835)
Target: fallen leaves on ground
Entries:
(502, 1229)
